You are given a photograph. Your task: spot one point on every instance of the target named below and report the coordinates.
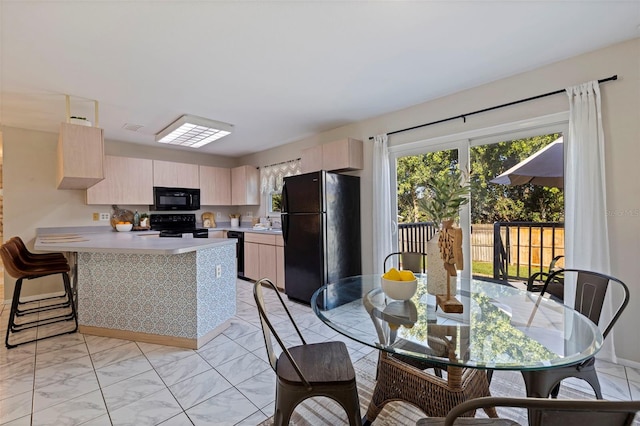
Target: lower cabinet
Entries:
(264, 257)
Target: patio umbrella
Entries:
(544, 168)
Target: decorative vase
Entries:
(436, 274)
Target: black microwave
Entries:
(175, 198)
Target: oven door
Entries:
(175, 199)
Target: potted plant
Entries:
(144, 219)
(440, 199)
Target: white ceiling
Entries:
(278, 71)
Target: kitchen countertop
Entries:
(106, 240)
(247, 229)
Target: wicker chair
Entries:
(307, 370)
(591, 289)
(403, 378)
(553, 412)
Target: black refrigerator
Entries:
(321, 232)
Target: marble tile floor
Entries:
(78, 379)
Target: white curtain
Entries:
(587, 237)
(382, 215)
(272, 177)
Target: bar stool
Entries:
(18, 266)
(36, 257)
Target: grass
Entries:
(485, 269)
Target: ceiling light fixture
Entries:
(193, 131)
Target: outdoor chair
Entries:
(307, 370)
(537, 281)
(408, 261)
(552, 412)
(591, 289)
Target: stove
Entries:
(175, 225)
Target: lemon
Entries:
(392, 274)
(407, 276)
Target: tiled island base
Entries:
(169, 299)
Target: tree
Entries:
(489, 202)
(413, 172)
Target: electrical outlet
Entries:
(105, 216)
(218, 271)
(249, 214)
(96, 216)
(218, 215)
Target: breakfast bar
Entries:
(136, 286)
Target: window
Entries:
(274, 201)
(272, 179)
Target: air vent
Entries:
(132, 127)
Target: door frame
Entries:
(463, 141)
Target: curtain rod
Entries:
(282, 162)
(464, 116)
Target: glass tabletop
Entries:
(501, 327)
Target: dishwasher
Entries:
(239, 250)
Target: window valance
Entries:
(272, 177)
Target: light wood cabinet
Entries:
(175, 175)
(127, 181)
(264, 257)
(245, 186)
(341, 155)
(217, 234)
(251, 260)
(311, 159)
(80, 156)
(215, 186)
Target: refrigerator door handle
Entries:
(285, 227)
(285, 199)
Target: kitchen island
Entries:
(136, 286)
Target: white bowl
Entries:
(124, 227)
(399, 290)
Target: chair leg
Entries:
(348, 399)
(12, 327)
(287, 399)
(12, 312)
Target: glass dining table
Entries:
(501, 328)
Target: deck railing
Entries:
(414, 236)
(516, 249)
(528, 247)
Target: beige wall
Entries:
(621, 116)
(31, 199)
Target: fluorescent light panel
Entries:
(193, 131)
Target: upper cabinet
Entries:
(215, 186)
(175, 175)
(341, 155)
(127, 181)
(244, 186)
(80, 156)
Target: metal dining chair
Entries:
(307, 370)
(408, 261)
(591, 290)
(552, 412)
